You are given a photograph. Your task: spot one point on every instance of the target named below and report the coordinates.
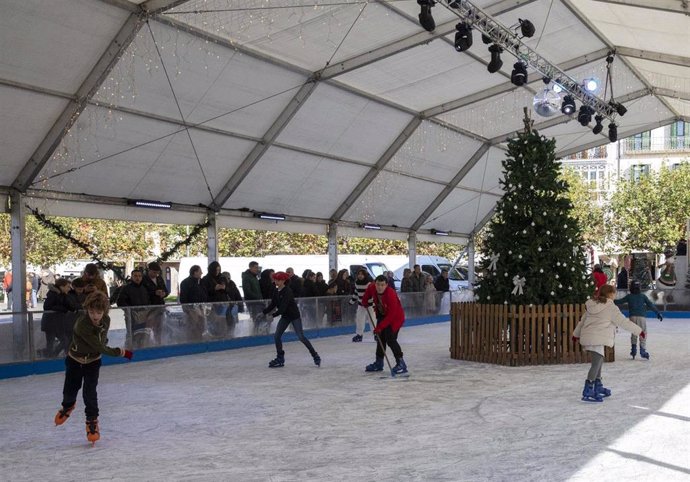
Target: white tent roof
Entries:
(325, 111)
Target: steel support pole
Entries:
(20, 331)
(212, 240)
(332, 246)
(470, 261)
(412, 248)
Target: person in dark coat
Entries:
(309, 284)
(622, 280)
(192, 295)
(283, 304)
(131, 295)
(266, 284)
(58, 320)
(158, 291)
(442, 284)
(215, 286)
(237, 306)
(295, 283)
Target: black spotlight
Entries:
(496, 62)
(598, 127)
(463, 37)
(426, 20)
(519, 74)
(568, 105)
(486, 39)
(585, 115)
(621, 109)
(527, 28)
(613, 132)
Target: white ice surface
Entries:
(226, 416)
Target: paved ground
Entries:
(225, 416)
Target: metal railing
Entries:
(633, 145)
(22, 338)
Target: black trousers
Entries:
(75, 373)
(388, 337)
(297, 326)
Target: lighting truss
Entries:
(513, 44)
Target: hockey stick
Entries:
(383, 349)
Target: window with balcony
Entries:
(680, 136)
(638, 170)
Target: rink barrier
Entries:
(517, 335)
(39, 367)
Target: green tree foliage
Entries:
(534, 235)
(590, 216)
(650, 213)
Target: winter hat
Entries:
(281, 276)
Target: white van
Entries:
(433, 265)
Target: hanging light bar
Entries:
(438, 232)
(510, 42)
(144, 203)
(271, 217)
(371, 226)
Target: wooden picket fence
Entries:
(517, 335)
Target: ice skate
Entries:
(92, 430)
(589, 394)
(278, 362)
(633, 351)
(644, 353)
(377, 366)
(400, 368)
(317, 360)
(63, 414)
(600, 389)
(356, 338)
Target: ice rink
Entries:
(225, 416)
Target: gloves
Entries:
(659, 315)
(127, 354)
(575, 339)
(643, 335)
(351, 302)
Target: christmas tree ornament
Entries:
(519, 284)
(494, 259)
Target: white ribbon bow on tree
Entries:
(494, 260)
(519, 284)
(576, 250)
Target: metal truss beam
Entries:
(674, 6)
(407, 43)
(487, 217)
(266, 142)
(511, 43)
(508, 86)
(602, 38)
(621, 135)
(86, 91)
(376, 169)
(450, 186)
(654, 56)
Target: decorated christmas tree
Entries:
(533, 249)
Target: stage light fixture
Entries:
(519, 74)
(527, 28)
(568, 106)
(591, 84)
(598, 127)
(486, 39)
(557, 88)
(426, 20)
(463, 37)
(585, 115)
(613, 132)
(621, 109)
(496, 62)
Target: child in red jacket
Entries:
(389, 319)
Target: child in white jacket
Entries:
(597, 329)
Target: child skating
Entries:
(638, 303)
(389, 319)
(597, 329)
(83, 361)
(283, 302)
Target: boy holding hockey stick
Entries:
(389, 319)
